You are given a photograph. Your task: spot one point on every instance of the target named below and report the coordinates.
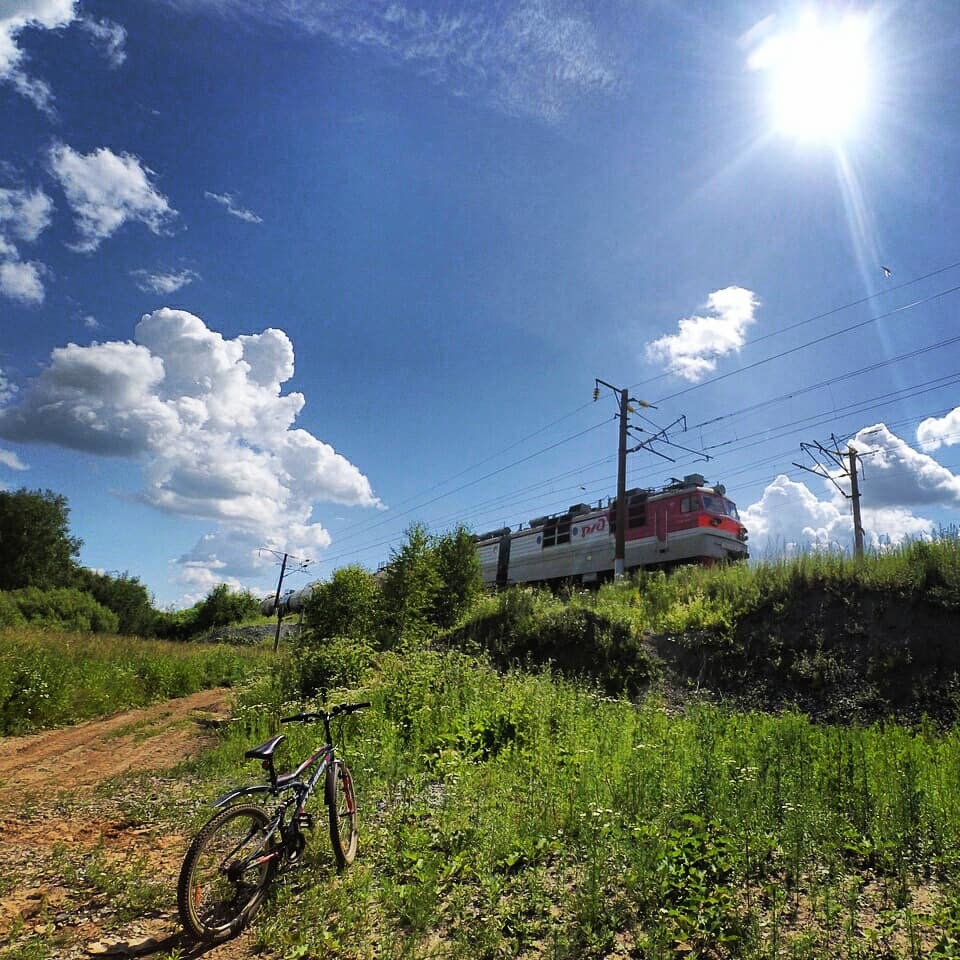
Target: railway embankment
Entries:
(842, 640)
(856, 655)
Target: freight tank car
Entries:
(683, 522)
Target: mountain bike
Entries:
(233, 859)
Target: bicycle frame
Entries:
(287, 781)
(238, 879)
(291, 844)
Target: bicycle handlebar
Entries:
(341, 708)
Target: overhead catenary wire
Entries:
(364, 525)
(364, 528)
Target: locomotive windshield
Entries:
(720, 505)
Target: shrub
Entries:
(532, 627)
(222, 607)
(348, 605)
(10, 615)
(330, 662)
(64, 608)
(126, 596)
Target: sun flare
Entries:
(818, 74)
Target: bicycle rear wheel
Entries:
(226, 873)
(342, 808)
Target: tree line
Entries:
(42, 583)
(425, 588)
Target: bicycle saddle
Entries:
(265, 750)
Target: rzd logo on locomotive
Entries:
(589, 529)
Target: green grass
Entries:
(521, 815)
(49, 679)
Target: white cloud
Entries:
(15, 17)
(700, 341)
(228, 202)
(896, 480)
(24, 215)
(105, 190)
(10, 460)
(111, 36)
(935, 432)
(91, 322)
(165, 283)
(208, 422)
(22, 281)
(7, 389)
(896, 475)
(531, 57)
(789, 518)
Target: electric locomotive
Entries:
(683, 522)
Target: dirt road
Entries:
(86, 873)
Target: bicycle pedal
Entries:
(304, 820)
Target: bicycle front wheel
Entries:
(226, 873)
(342, 807)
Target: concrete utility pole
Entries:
(620, 549)
(620, 534)
(855, 497)
(660, 435)
(276, 604)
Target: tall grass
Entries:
(49, 679)
(521, 815)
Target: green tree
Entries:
(347, 605)
(126, 596)
(461, 583)
(411, 583)
(222, 607)
(36, 549)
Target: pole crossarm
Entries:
(843, 466)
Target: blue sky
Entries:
(290, 277)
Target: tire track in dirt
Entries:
(150, 738)
(35, 769)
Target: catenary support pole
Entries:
(619, 556)
(276, 604)
(855, 496)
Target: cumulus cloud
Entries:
(169, 282)
(22, 281)
(228, 202)
(789, 518)
(692, 352)
(24, 215)
(207, 420)
(110, 36)
(15, 17)
(899, 476)
(897, 481)
(10, 460)
(105, 190)
(7, 389)
(936, 432)
(531, 57)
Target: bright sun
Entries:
(819, 78)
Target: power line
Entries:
(809, 343)
(363, 526)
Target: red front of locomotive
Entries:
(683, 523)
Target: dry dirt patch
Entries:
(59, 857)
